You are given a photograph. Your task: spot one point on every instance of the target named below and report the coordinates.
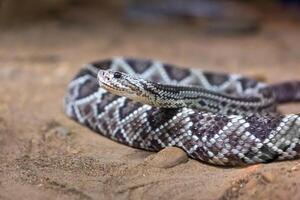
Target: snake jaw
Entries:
(107, 81)
(121, 84)
(125, 85)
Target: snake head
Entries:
(121, 84)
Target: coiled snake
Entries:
(217, 118)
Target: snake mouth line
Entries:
(106, 85)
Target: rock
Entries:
(268, 177)
(294, 168)
(62, 131)
(167, 158)
(59, 131)
(251, 185)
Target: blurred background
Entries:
(44, 43)
(231, 13)
(14, 12)
(241, 36)
(205, 33)
(202, 33)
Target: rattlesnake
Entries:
(222, 119)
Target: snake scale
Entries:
(221, 119)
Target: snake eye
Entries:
(117, 75)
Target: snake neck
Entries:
(178, 96)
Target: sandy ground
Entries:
(45, 155)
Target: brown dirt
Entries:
(45, 155)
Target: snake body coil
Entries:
(216, 118)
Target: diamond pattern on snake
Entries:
(221, 119)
